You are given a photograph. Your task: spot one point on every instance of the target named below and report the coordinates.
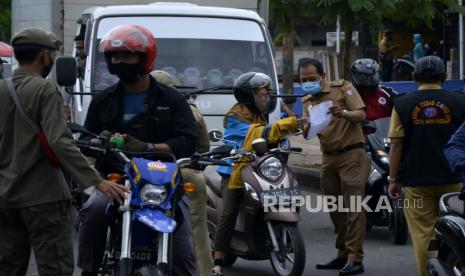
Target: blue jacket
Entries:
(455, 154)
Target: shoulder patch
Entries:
(337, 83)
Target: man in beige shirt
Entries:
(386, 56)
(344, 160)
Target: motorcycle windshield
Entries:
(382, 129)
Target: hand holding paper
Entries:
(319, 118)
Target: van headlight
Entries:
(271, 168)
(153, 194)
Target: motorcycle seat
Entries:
(454, 204)
(213, 179)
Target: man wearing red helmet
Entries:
(151, 117)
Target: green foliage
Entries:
(5, 20)
(296, 41)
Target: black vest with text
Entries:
(429, 117)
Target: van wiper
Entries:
(212, 90)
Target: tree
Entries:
(283, 13)
(352, 13)
(5, 20)
(376, 12)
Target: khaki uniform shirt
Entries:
(27, 177)
(203, 141)
(340, 132)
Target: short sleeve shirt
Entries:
(340, 132)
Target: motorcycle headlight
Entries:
(152, 194)
(271, 168)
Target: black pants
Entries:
(386, 69)
(44, 227)
(93, 233)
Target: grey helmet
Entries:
(365, 72)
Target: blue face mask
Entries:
(311, 87)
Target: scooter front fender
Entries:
(155, 220)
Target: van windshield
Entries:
(197, 51)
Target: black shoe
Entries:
(337, 263)
(352, 268)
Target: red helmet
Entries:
(131, 38)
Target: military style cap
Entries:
(162, 77)
(431, 65)
(37, 37)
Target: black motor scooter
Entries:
(377, 185)
(450, 238)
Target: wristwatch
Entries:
(150, 147)
(392, 179)
(346, 113)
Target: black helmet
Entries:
(246, 83)
(365, 72)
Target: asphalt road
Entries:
(381, 256)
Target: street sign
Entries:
(332, 36)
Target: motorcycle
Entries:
(140, 231)
(450, 238)
(377, 184)
(261, 231)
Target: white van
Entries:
(201, 47)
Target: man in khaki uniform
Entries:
(34, 197)
(342, 173)
(198, 198)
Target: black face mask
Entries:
(46, 70)
(126, 72)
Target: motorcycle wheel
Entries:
(452, 264)
(124, 267)
(229, 260)
(291, 250)
(398, 225)
(149, 271)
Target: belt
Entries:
(345, 149)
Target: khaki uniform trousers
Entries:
(421, 212)
(45, 227)
(198, 215)
(345, 174)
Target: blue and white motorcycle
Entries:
(140, 231)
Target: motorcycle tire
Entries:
(298, 249)
(149, 271)
(124, 267)
(229, 260)
(453, 265)
(398, 225)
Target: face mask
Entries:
(47, 68)
(126, 72)
(262, 102)
(311, 87)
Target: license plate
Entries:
(139, 255)
(279, 196)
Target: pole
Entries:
(460, 43)
(338, 35)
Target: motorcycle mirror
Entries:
(215, 135)
(260, 146)
(222, 150)
(75, 128)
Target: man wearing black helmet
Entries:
(421, 124)
(243, 123)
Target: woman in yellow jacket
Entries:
(243, 123)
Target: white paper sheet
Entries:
(319, 118)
